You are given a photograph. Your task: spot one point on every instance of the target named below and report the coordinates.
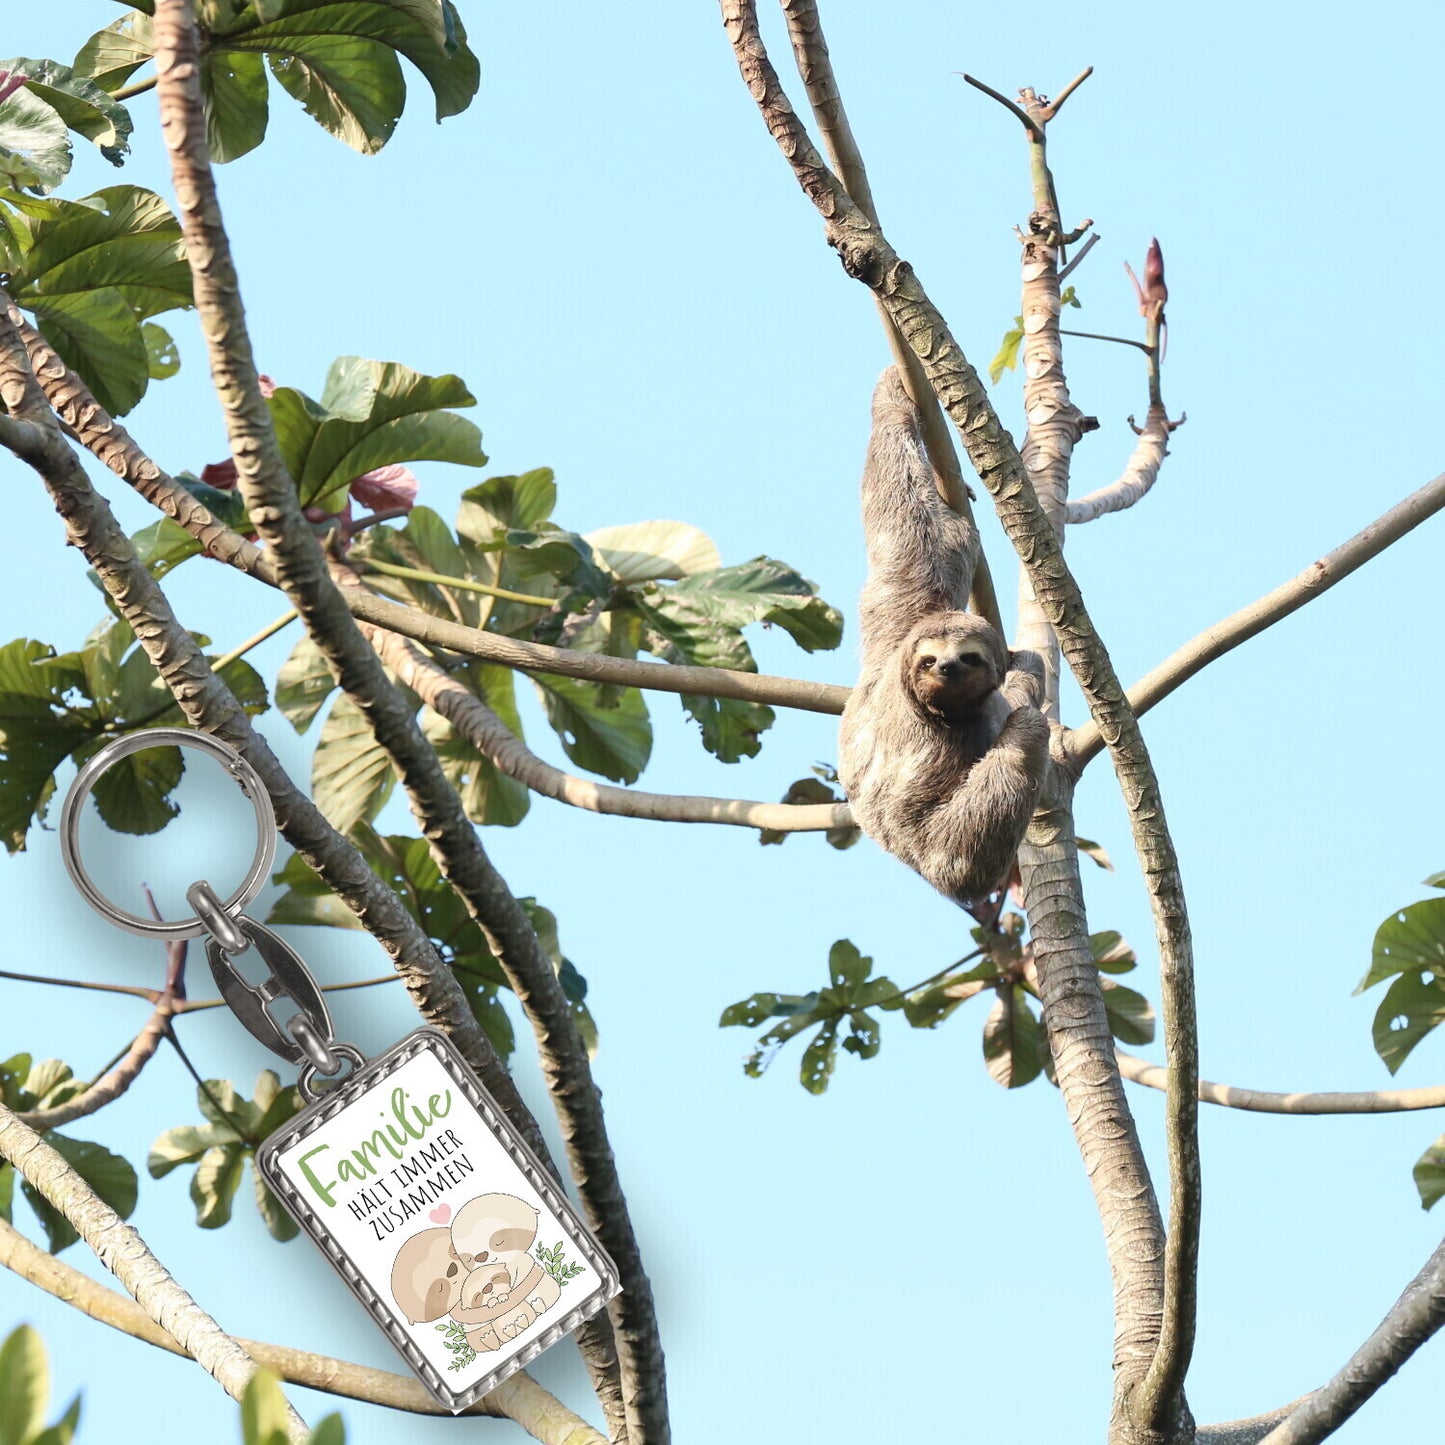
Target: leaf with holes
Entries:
(1412, 938)
(819, 1058)
(615, 740)
(1412, 1007)
(83, 105)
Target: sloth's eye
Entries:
(926, 662)
(972, 659)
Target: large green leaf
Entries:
(303, 684)
(34, 143)
(502, 504)
(337, 57)
(1413, 1006)
(112, 1178)
(1013, 1039)
(615, 740)
(371, 414)
(24, 1386)
(762, 590)
(54, 707)
(111, 56)
(92, 271)
(351, 774)
(82, 104)
(1411, 938)
(654, 551)
(38, 730)
(1131, 1015)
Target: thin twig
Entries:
(462, 584)
(1095, 336)
(1065, 271)
(151, 995)
(129, 92)
(1013, 106)
(1057, 103)
(268, 631)
(1085, 742)
(1261, 1101)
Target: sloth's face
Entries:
(951, 676)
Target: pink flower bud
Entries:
(1154, 288)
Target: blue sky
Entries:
(610, 250)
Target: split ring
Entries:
(246, 778)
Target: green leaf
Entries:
(330, 1430)
(7, 1193)
(1131, 1015)
(1429, 1175)
(34, 143)
(279, 1223)
(371, 414)
(927, 1007)
(818, 1059)
(1412, 1006)
(351, 88)
(163, 546)
(502, 504)
(36, 732)
(91, 271)
(615, 741)
(303, 684)
(1435, 880)
(847, 968)
(809, 792)
(264, 1414)
(214, 1184)
(654, 551)
(111, 56)
(1007, 355)
(308, 901)
(112, 1178)
(751, 1011)
(762, 590)
(236, 100)
(351, 774)
(1111, 953)
(1012, 1039)
(134, 795)
(82, 104)
(1412, 938)
(185, 1145)
(864, 1036)
(1096, 851)
(24, 1385)
(163, 360)
(1069, 297)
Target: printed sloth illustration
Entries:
(479, 1272)
(943, 750)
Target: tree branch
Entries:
(1260, 1101)
(519, 1398)
(495, 741)
(109, 441)
(304, 575)
(815, 66)
(124, 1253)
(1413, 1319)
(108, 1089)
(1085, 742)
(867, 256)
(209, 704)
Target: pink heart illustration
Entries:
(441, 1214)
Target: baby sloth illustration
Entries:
(506, 1289)
(943, 750)
(427, 1277)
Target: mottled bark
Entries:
(1155, 1407)
(125, 1254)
(520, 1398)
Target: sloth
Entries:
(427, 1276)
(943, 750)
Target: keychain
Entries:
(406, 1174)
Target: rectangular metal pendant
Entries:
(442, 1221)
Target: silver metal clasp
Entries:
(306, 1037)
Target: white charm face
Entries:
(442, 1221)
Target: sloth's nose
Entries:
(948, 669)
